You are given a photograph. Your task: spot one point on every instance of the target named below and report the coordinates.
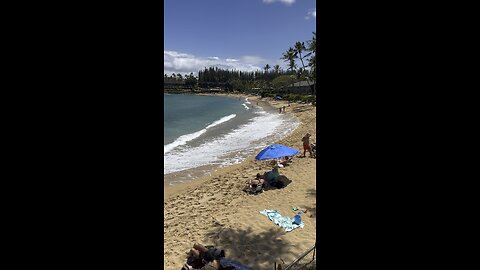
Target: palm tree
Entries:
(312, 49)
(276, 68)
(289, 56)
(299, 73)
(312, 44)
(299, 48)
(267, 67)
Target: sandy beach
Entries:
(215, 211)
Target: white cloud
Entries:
(177, 62)
(286, 2)
(311, 13)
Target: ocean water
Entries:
(216, 131)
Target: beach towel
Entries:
(282, 221)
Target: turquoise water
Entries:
(186, 114)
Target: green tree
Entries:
(190, 80)
(266, 68)
(312, 49)
(289, 56)
(299, 49)
(276, 69)
(283, 81)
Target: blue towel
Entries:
(224, 262)
(283, 222)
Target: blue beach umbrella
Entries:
(276, 151)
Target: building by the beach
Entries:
(303, 87)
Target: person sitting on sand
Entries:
(279, 163)
(306, 145)
(209, 258)
(269, 176)
(283, 161)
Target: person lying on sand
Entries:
(266, 177)
(254, 185)
(283, 161)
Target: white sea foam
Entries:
(261, 131)
(221, 120)
(182, 140)
(246, 107)
(246, 101)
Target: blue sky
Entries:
(240, 34)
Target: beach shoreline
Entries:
(172, 189)
(200, 211)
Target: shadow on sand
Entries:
(255, 250)
(312, 209)
(303, 109)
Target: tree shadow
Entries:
(302, 109)
(312, 210)
(255, 250)
(311, 192)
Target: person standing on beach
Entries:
(306, 145)
(283, 109)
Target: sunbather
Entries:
(204, 259)
(283, 161)
(254, 186)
